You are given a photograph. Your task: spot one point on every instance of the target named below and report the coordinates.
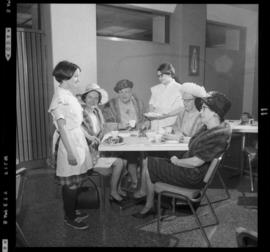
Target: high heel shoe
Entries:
(112, 199)
(150, 212)
(134, 185)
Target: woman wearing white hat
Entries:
(188, 119)
(187, 123)
(94, 129)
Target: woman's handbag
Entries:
(88, 195)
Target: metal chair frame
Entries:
(250, 156)
(19, 198)
(185, 196)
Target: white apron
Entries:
(66, 106)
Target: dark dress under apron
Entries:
(205, 144)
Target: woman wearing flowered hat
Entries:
(188, 119)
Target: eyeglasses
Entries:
(161, 75)
(203, 108)
(188, 100)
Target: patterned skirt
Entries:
(74, 180)
(162, 170)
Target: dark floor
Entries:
(41, 219)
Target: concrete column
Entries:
(71, 30)
(188, 24)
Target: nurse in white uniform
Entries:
(166, 97)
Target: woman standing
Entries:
(94, 129)
(73, 157)
(166, 97)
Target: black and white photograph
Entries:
(136, 125)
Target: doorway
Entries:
(225, 63)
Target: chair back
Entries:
(210, 174)
(215, 163)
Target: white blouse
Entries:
(164, 99)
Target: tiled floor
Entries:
(42, 219)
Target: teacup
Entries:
(150, 135)
(158, 138)
(132, 123)
(168, 130)
(115, 133)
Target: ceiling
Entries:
(252, 7)
(120, 22)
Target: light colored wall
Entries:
(241, 17)
(73, 38)
(133, 60)
(138, 60)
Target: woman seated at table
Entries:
(119, 112)
(188, 119)
(189, 170)
(187, 123)
(94, 127)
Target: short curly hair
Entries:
(64, 70)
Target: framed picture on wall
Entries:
(194, 63)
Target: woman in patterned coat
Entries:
(94, 128)
(118, 114)
(189, 170)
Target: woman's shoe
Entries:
(138, 195)
(134, 185)
(112, 199)
(122, 194)
(150, 212)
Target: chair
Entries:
(246, 238)
(219, 174)
(250, 152)
(103, 173)
(222, 182)
(20, 180)
(190, 196)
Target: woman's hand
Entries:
(178, 136)
(71, 159)
(169, 137)
(174, 160)
(144, 125)
(94, 140)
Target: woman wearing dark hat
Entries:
(120, 112)
(94, 129)
(124, 108)
(208, 143)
